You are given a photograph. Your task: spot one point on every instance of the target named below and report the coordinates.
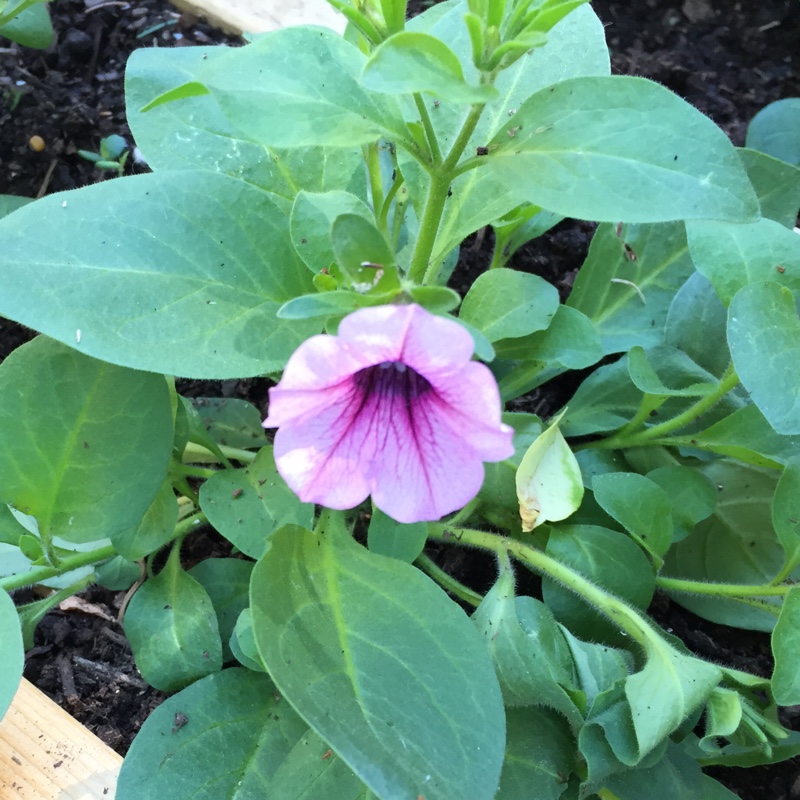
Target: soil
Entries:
(727, 58)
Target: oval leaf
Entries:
(411, 62)
(171, 625)
(84, 445)
(230, 737)
(248, 505)
(183, 287)
(621, 148)
(764, 337)
(361, 645)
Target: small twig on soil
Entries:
(108, 672)
(67, 677)
(92, 68)
(46, 182)
(115, 637)
(106, 4)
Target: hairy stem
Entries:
(448, 582)
(618, 611)
(648, 436)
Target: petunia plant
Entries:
(376, 630)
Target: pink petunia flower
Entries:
(392, 406)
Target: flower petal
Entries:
(410, 334)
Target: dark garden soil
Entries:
(727, 58)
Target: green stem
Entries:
(448, 582)
(383, 218)
(466, 512)
(421, 270)
(429, 227)
(197, 454)
(720, 589)
(430, 133)
(618, 611)
(188, 524)
(648, 436)
(68, 564)
(373, 161)
(195, 472)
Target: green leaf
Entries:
(395, 539)
(325, 304)
(84, 445)
(609, 559)
(786, 651)
(628, 281)
(774, 130)
(9, 203)
(598, 667)
(437, 299)
(540, 754)
(786, 512)
(691, 495)
(231, 422)
(172, 628)
(696, 324)
(227, 582)
(365, 257)
(674, 374)
(410, 62)
(190, 89)
(736, 544)
(153, 530)
(764, 337)
(777, 186)
(12, 653)
(360, 644)
(746, 435)
(723, 715)
(606, 400)
(504, 303)
(182, 287)
(313, 215)
(530, 654)
(31, 28)
(195, 134)
(641, 506)
(677, 777)
(576, 46)
(665, 692)
(733, 256)
(620, 148)
(261, 91)
(570, 342)
(230, 735)
(248, 505)
(118, 574)
(243, 643)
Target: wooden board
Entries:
(45, 754)
(258, 16)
